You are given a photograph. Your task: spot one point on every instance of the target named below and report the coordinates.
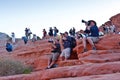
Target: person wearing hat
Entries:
(93, 36)
(56, 50)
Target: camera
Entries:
(83, 21)
(86, 22)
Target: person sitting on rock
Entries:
(55, 54)
(93, 35)
(9, 47)
(34, 38)
(25, 39)
(67, 47)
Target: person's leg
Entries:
(62, 56)
(84, 44)
(54, 59)
(67, 53)
(89, 39)
(50, 61)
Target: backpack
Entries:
(57, 30)
(73, 42)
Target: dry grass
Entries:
(12, 67)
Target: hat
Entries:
(65, 32)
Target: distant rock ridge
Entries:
(115, 20)
(4, 36)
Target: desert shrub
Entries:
(12, 67)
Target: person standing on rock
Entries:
(44, 34)
(93, 35)
(67, 47)
(26, 32)
(55, 54)
(29, 33)
(13, 37)
(50, 32)
(55, 31)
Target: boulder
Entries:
(4, 36)
(114, 76)
(116, 20)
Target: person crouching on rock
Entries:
(93, 35)
(9, 47)
(55, 54)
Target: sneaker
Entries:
(47, 68)
(54, 66)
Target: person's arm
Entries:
(64, 38)
(53, 45)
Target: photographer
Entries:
(55, 54)
(92, 32)
(67, 47)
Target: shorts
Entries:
(95, 39)
(66, 53)
(54, 56)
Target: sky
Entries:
(16, 15)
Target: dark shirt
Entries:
(9, 47)
(94, 31)
(51, 32)
(67, 42)
(57, 49)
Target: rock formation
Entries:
(4, 36)
(102, 64)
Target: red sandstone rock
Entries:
(116, 21)
(115, 76)
(85, 66)
(105, 43)
(69, 71)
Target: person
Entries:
(67, 47)
(44, 33)
(13, 37)
(26, 32)
(81, 34)
(25, 39)
(34, 38)
(70, 32)
(50, 31)
(112, 28)
(9, 47)
(93, 35)
(55, 31)
(55, 54)
(73, 31)
(29, 33)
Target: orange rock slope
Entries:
(102, 64)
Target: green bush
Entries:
(12, 67)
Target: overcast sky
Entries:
(16, 15)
